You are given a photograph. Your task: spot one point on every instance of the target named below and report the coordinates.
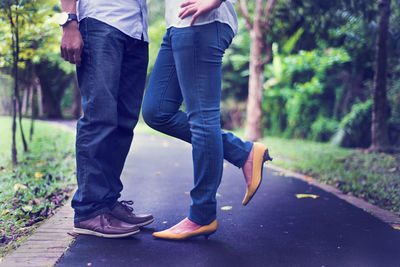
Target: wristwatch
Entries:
(64, 18)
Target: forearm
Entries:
(71, 42)
(68, 6)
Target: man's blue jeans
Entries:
(188, 68)
(111, 79)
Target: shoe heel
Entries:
(206, 236)
(266, 156)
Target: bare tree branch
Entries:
(245, 13)
(269, 8)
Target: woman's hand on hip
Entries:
(197, 7)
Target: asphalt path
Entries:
(275, 229)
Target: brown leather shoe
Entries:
(105, 225)
(125, 213)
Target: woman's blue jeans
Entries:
(188, 68)
(111, 78)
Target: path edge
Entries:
(384, 215)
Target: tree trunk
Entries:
(14, 122)
(254, 101)
(38, 88)
(379, 129)
(25, 102)
(32, 110)
(14, 159)
(16, 91)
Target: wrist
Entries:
(65, 18)
(71, 25)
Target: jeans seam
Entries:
(89, 60)
(165, 89)
(203, 122)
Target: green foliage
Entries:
(39, 41)
(295, 88)
(5, 94)
(32, 190)
(235, 66)
(323, 129)
(355, 127)
(39, 32)
(157, 31)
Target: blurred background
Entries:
(314, 68)
(317, 81)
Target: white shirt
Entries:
(128, 16)
(225, 14)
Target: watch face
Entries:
(62, 18)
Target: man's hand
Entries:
(71, 43)
(197, 7)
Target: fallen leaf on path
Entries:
(37, 201)
(308, 178)
(158, 173)
(40, 163)
(218, 195)
(225, 165)
(187, 193)
(307, 196)
(4, 212)
(19, 186)
(165, 144)
(89, 264)
(226, 208)
(27, 208)
(38, 175)
(393, 169)
(397, 227)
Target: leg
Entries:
(198, 55)
(99, 78)
(130, 95)
(163, 99)
(163, 96)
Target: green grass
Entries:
(374, 177)
(43, 179)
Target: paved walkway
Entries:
(275, 229)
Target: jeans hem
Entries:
(241, 163)
(79, 218)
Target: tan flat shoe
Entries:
(187, 229)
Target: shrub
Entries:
(355, 128)
(323, 129)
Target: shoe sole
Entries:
(145, 223)
(90, 232)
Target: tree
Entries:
(260, 54)
(11, 12)
(29, 33)
(379, 127)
